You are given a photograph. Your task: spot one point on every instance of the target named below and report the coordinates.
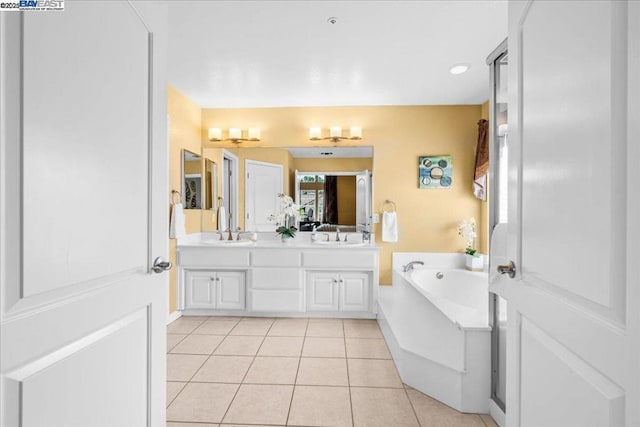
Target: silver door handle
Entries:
(160, 265)
(509, 269)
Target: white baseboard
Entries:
(174, 316)
(496, 413)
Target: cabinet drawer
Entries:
(214, 258)
(276, 278)
(279, 258)
(262, 300)
(333, 259)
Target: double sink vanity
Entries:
(269, 277)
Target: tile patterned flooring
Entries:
(228, 371)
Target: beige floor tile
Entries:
(360, 322)
(173, 388)
(202, 402)
(224, 369)
(362, 330)
(273, 370)
(431, 412)
(325, 328)
(373, 373)
(216, 327)
(181, 367)
(281, 346)
(184, 325)
(323, 347)
(488, 421)
(288, 328)
(239, 346)
(367, 348)
(198, 344)
(265, 404)
(170, 424)
(322, 371)
(252, 327)
(382, 407)
(173, 339)
(320, 406)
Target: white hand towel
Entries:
(177, 228)
(389, 227)
(222, 219)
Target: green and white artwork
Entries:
(435, 172)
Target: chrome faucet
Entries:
(221, 235)
(337, 234)
(230, 237)
(409, 266)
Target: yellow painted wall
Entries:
(399, 135)
(184, 133)
(346, 188)
(483, 229)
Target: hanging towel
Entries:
(222, 219)
(389, 227)
(176, 228)
(482, 161)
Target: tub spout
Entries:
(409, 266)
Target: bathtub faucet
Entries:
(409, 266)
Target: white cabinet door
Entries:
(354, 291)
(230, 287)
(200, 289)
(322, 291)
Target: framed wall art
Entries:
(435, 172)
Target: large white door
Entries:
(574, 204)
(263, 184)
(83, 196)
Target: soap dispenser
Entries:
(314, 234)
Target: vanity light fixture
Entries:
(335, 134)
(235, 135)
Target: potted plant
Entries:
(473, 260)
(287, 218)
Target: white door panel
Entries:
(83, 196)
(264, 181)
(572, 323)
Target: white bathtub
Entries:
(438, 330)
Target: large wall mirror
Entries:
(305, 172)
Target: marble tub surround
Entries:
(450, 312)
(356, 385)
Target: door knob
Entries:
(509, 269)
(160, 265)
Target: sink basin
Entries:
(215, 242)
(339, 244)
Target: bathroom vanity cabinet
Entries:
(278, 279)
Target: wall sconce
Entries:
(235, 135)
(335, 134)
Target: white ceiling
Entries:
(225, 54)
(340, 152)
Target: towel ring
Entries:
(389, 202)
(220, 201)
(173, 196)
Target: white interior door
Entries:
(263, 183)
(83, 196)
(363, 201)
(573, 338)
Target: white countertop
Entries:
(272, 241)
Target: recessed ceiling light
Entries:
(459, 68)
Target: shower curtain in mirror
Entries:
(330, 200)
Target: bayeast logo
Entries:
(27, 5)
